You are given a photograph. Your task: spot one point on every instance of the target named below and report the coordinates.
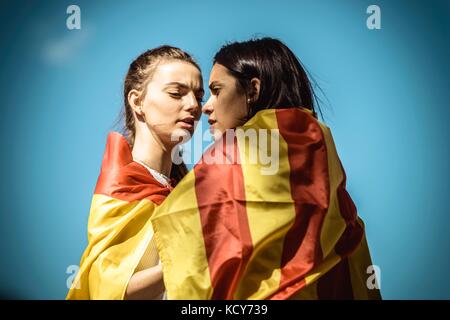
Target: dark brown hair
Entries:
(138, 76)
(284, 81)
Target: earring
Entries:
(249, 100)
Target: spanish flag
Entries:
(234, 229)
(119, 228)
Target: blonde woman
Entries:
(162, 101)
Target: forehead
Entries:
(219, 73)
(177, 71)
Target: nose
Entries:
(207, 107)
(193, 105)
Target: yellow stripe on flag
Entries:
(118, 233)
(270, 210)
(185, 265)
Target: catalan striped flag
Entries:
(119, 228)
(233, 230)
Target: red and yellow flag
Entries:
(119, 228)
(231, 230)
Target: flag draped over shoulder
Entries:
(119, 228)
(237, 229)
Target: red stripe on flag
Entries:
(353, 232)
(221, 202)
(310, 191)
(336, 283)
(122, 178)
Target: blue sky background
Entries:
(388, 108)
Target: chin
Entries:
(181, 135)
(216, 133)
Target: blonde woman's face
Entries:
(227, 106)
(172, 103)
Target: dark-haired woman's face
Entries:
(227, 106)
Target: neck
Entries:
(148, 149)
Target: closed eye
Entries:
(175, 95)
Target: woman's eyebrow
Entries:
(176, 83)
(184, 86)
(213, 84)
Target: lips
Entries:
(187, 123)
(188, 120)
(211, 125)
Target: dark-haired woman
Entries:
(291, 232)
(162, 93)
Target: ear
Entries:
(134, 100)
(255, 85)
